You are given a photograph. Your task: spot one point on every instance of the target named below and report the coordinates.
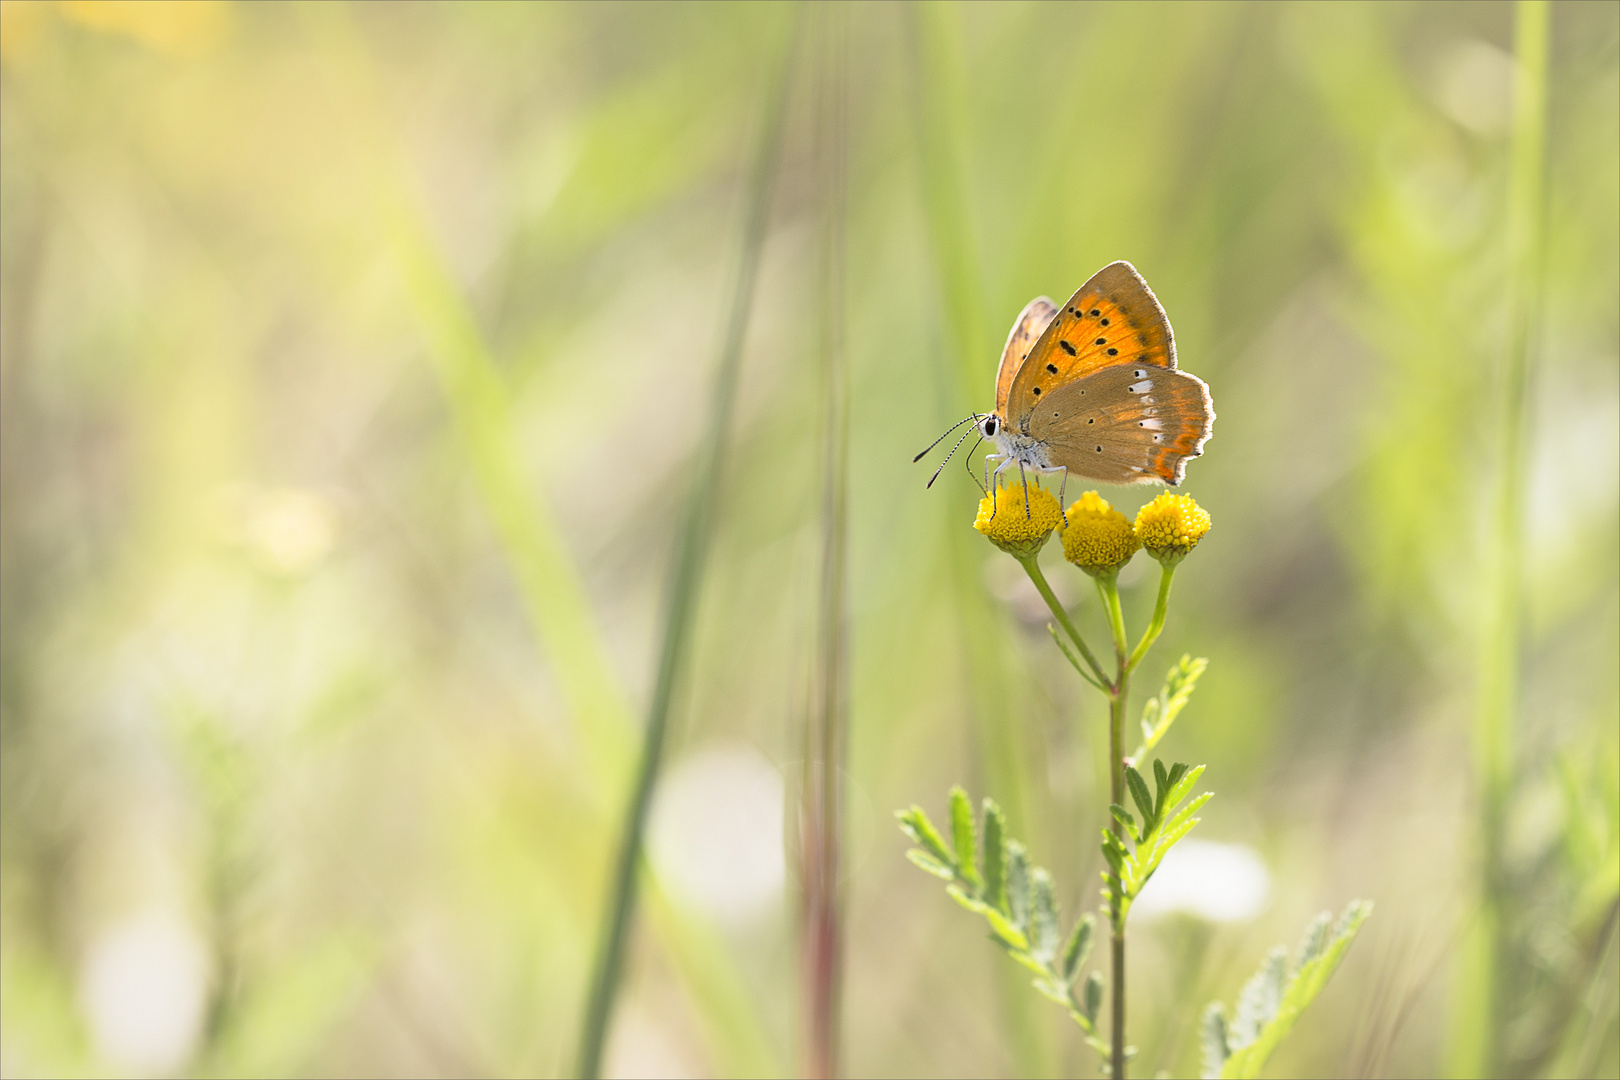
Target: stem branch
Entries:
(1167, 571)
(1032, 567)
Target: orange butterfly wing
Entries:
(1126, 424)
(1112, 319)
(1025, 332)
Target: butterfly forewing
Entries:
(1025, 332)
(1126, 424)
(1113, 319)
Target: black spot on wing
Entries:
(1066, 347)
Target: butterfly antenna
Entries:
(948, 457)
(942, 438)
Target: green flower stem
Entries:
(1167, 571)
(1032, 567)
(1109, 588)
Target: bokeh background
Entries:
(354, 361)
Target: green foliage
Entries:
(996, 881)
(1162, 827)
(1160, 712)
(1272, 1001)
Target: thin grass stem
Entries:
(686, 570)
(822, 795)
(938, 110)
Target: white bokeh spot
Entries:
(1217, 882)
(143, 987)
(716, 831)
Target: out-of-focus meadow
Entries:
(354, 361)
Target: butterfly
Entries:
(1092, 388)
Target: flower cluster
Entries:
(1019, 518)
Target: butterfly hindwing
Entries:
(1112, 319)
(1026, 331)
(1126, 424)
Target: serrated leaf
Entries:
(1113, 852)
(1316, 937)
(995, 856)
(1123, 816)
(1161, 711)
(1018, 886)
(1260, 998)
(916, 824)
(1161, 786)
(1091, 1000)
(1182, 786)
(930, 864)
(1212, 1036)
(1139, 794)
(1043, 918)
(1078, 947)
(962, 836)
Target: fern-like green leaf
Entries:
(1132, 867)
(1160, 712)
(1017, 900)
(1272, 1001)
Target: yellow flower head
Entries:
(1004, 519)
(1098, 538)
(1171, 526)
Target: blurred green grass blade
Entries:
(552, 589)
(939, 120)
(938, 117)
(1481, 1009)
(686, 569)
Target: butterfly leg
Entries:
(967, 460)
(1024, 480)
(990, 479)
(1063, 487)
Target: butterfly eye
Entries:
(990, 427)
